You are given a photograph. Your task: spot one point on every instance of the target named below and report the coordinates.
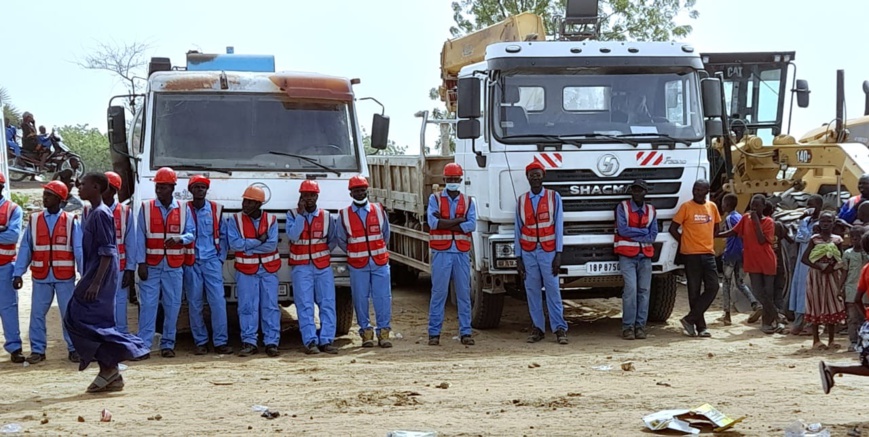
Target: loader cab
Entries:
(755, 90)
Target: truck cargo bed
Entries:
(404, 183)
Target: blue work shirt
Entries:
(25, 250)
(250, 246)
(296, 224)
(733, 245)
(186, 237)
(13, 226)
(342, 233)
(639, 235)
(205, 248)
(467, 226)
(557, 214)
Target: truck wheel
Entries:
(486, 308)
(662, 298)
(343, 311)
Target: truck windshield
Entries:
(237, 132)
(588, 102)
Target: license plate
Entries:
(599, 268)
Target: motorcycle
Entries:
(62, 158)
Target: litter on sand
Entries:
(690, 421)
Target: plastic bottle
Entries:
(11, 428)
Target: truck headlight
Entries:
(504, 250)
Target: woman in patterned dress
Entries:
(824, 258)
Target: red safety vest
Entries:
(249, 264)
(312, 246)
(625, 246)
(442, 239)
(538, 227)
(216, 214)
(7, 251)
(52, 249)
(121, 215)
(365, 240)
(157, 231)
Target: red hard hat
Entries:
(358, 181)
(254, 193)
(57, 187)
(114, 179)
(199, 179)
(535, 165)
(309, 186)
(453, 169)
(165, 175)
(2, 178)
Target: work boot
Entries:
(311, 348)
(167, 353)
(536, 335)
(223, 349)
(368, 337)
(757, 309)
(329, 348)
(561, 336)
(74, 357)
(640, 333)
(272, 350)
(434, 340)
(467, 340)
(247, 349)
(17, 357)
(628, 334)
(383, 338)
(35, 358)
(200, 350)
(726, 318)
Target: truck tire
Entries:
(486, 308)
(343, 311)
(662, 298)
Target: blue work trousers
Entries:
(121, 300)
(203, 282)
(171, 282)
(41, 298)
(446, 266)
(372, 282)
(9, 309)
(312, 285)
(538, 276)
(637, 274)
(258, 302)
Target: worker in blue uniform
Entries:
(10, 230)
(165, 227)
(311, 232)
(452, 217)
(538, 242)
(203, 271)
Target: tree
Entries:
(638, 20)
(391, 147)
(10, 113)
(122, 59)
(91, 144)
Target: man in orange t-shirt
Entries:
(698, 219)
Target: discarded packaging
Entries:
(11, 428)
(259, 408)
(687, 421)
(270, 414)
(800, 429)
(400, 433)
(106, 416)
(604, 367)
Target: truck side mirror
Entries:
(469, 98)
(468, 129)
(117, 124)
(380, 132)
(714, 129)
(802, 91)
(710, 91)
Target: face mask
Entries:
(453, 187)
(360, 202)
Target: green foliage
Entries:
(10, 113)
(636, 20)
(391, 147)
(90, 143)
(20, 199)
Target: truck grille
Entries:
(579, 255)
(583, 190)
(585, 175)
(593, 204)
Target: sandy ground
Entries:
(501, 386)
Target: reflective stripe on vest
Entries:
(7, 251)
(625, 246)
(312, 245)
(157, 230)
(365, 241)
(249, 264)
(216, 215)
(121, 215)
(52, 249)
(442, 239)
(538, 227)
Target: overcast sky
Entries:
(392, 46)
